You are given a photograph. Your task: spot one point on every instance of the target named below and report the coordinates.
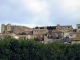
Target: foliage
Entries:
(23, 33)
(36, 39)
(13, 49)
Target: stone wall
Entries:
(40, 31)
(6, 29)
(78, 27)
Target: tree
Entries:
(23, 33)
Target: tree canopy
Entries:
(13, 49)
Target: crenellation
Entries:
(6, 29)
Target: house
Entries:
(57, 34)
(76, 40)
(78, 27)
(73, 34)
(39, 31)
(53, 36)
(28, 32)
(74, 30)
(64, 28)
(66, 34)
(46, 27)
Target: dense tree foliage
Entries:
(13, 49)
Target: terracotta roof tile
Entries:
(56, 31)
(77, 38)
(74, 33)
(67, 26)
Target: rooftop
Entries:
(57, 31)
(77, 38)
(74, 33)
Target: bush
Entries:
(12, 49)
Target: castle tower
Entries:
(3, 28)
(9, 27)
(58, 25)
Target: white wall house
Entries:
(76, 40)
(73, 35)
(66, 34)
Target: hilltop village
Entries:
(45, 34)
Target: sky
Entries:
(33, 13)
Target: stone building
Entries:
(7, 29)
(78, 27)
(76, 40)
(46, 27)
(57, 34)
(66, 28)
(43, 30)
(39, 31)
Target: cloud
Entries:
(39, 8)
(70, 8)
(40, 12)
(35, 6)
(36, 12)
(31, 25)
(4, 9)
(32, 11)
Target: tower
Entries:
(58, 26)
(3, 28)
(8, 27)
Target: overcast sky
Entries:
(33, 13)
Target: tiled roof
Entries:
(56, 31)
(67, 25)
(49, 32)
(77, 38)
(74, 33)
(28, 30)
(78, 24)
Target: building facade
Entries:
(7, 29)
(78, 27)
(66, 28)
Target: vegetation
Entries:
(23, 33)
(13, 49)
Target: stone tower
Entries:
(8, 27)
(3, 28)
(58, 26)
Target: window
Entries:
(62, 28)
(41, 27)
(78, 27)
(68, 27)
(36, 27)
(59, 28)
(71, 35)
